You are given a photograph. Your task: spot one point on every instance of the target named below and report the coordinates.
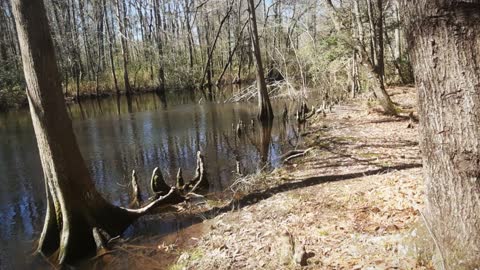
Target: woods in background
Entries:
(123, 46)
(341, 48)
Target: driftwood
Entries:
(295, 154)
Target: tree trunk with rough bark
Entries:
(74, 206)
(266, 113)
(444, 41)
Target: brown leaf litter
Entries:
(353, 202)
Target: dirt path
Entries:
(353, 202)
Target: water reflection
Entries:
(265, 139)
(118, 135)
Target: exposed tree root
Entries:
(295, 154)
(72, 232)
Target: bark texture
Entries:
(444, 38)
(74, 206)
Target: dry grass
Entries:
(347, 220)
(353, 202)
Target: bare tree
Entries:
(122, 25)
(265, 113)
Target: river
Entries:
(117, 135)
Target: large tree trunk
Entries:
(74, 207)
(444, 38)
(265, 113)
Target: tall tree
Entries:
(122, 25)
(160, 44)
(74, 206)
(444, 38)
(110, 47)
(265, 113)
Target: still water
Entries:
(117, 135)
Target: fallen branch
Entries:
(172, 197)
(295, 154)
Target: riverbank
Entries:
(353, 202)
(17, 99)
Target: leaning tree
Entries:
(444, 41)
(76, 211)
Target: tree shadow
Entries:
(164, 223)
(255, 197)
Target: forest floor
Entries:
(354, 201)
